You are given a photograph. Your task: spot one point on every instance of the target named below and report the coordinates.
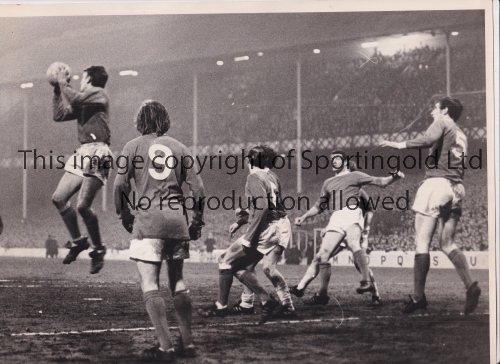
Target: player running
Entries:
(160, 227)
(85, 170)
(269, 223)
(438, 203)
(269, 267)
(346, 222)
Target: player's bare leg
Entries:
(269, 262)
(67, 187)
(269, 304)
(155, 305)
(234, 261)
(425, 226)
(182, 306)
(331, 240)
(88, 190)
(375, 293)
(226, 272)
(446, 232)
(311, 273)
(245, 305)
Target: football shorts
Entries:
(156, 250)
(285, 231)
(277, 233)
(91, 159)
(342, 219)
(439, 197)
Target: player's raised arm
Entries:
(61, 111)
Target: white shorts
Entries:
(285, 231)
(277, 233)
(157, 250)
(80, 162)
(439, 197)
(342, 219)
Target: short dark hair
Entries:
(261, 156)
(98, 75)
(454, 106)
(341, 152)
(152, 117)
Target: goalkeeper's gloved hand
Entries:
(128, 222)
(195, 230)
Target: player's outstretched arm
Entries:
(395, 145)
(427, 139)
(315, 210)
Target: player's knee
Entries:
(86, 212)
(239, 274)
(323, 256)
(268, 271)
(59, 202)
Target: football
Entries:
(54, 69)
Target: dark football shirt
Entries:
(343, 189)
(447, 143)
(90, 108)
(161, 186)
(263, 190)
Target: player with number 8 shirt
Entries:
(160, 232)
(438, 203)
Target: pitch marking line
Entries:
(290, 322)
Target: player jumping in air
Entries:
(269, 267)
(269, 222)
(438, 203)
(346, 222)
(160, 227)
(85, 170)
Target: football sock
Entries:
(420, 270)
(361, 260)
(225, 282)
(311, 273)
(183, 308)
(157, 311)
(247, 298)
(459, 260)
(281, 287)
(325, 272)
(92, 224)
(374, 283)
(70, 219)
(250, 280)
